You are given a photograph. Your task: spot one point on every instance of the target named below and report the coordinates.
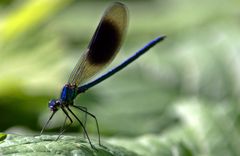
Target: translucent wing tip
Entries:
(120, 6)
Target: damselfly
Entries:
(102, 49)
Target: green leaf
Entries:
(66, 145)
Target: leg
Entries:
(85, 118)
(47, 122)
(84, 129)
(64, 129)
(93, 116)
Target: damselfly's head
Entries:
(54, 105)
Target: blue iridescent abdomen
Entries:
(69, 92)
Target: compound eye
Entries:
(53, 104)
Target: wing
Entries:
(104, 45)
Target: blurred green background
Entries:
(184, 91)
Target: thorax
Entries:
(69, 92)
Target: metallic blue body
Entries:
(69, 92)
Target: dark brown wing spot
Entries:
(105, 44)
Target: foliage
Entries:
(47, 145)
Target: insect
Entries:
(102, 49)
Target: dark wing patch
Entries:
(105, 45)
